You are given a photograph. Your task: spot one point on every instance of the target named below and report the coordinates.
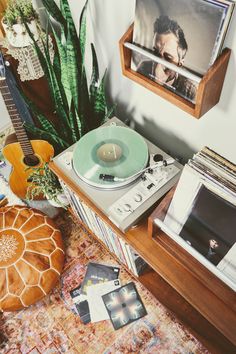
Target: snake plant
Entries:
(80, 106)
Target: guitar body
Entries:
(18, 179)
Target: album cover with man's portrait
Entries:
(186, 33)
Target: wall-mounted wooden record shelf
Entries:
(209, 89)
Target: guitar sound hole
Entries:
(31, 160)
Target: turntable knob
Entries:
(138, 198)
(127, 207)
(119, 210)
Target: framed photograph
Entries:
(186, 33)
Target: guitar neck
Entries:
(16, 119)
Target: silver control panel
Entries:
(147, 186)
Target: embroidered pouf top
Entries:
(31, 256)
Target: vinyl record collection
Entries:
(105, 233)
(202, 213)
(203, 25)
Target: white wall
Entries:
(163, 123)
(4, 116)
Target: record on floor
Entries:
(111, 150)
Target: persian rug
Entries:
(52, 326)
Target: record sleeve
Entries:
(98, 273)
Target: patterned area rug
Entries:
(51, 325)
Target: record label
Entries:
(111, 150)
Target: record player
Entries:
(122, 173)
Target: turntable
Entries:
(110, 151)
(121, 172)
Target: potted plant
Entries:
(43, 182)
(16, 14)
(80, 103)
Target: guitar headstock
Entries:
(2, 67)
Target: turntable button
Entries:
(138, 198)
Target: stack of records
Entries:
(101, 297)
(202, 214)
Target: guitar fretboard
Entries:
(16, 120)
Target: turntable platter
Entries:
(112, 150)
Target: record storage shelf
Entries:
(172, 282)
(209, 88)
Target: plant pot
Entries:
(17, 34)
(62, 199)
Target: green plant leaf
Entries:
(63, 68)
(80, 124)
(54, 11)
(99, 107)
(95, 70)
(46, 125)
(72, 69)
(58, 143)
(75, 131)
(94, 77)
(65, 10)
(110, 113)
(82, 35)
(57, 92)
(40, 54)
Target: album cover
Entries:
(210, 226)
(97, 273)
(97, 308)
(186, 33)
(75, 294)
(124, 305)
(83, 311)
(81, 304)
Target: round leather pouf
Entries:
(31, 256)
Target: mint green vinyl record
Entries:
(111, 150)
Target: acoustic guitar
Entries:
(22, 154)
